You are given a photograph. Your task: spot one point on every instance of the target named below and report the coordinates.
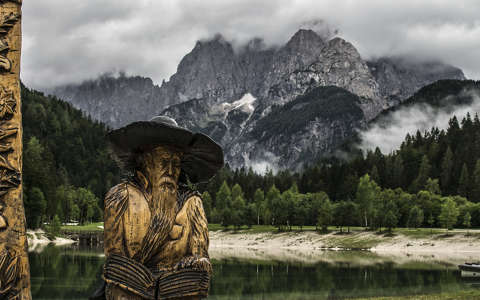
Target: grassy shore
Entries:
(91, 227)
(355, 238)
(409, 232)
(466, 295)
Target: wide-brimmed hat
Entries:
(201, 159)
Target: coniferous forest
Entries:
(433, 180)
(67, 169)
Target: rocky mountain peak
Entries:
(341, 46)
(241, 96)
(305, 40)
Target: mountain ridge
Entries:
(214, 78)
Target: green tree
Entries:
(390, 220)
(227, 217)
(55, 226)
(467, 221)
(302, 208)
(415, 217)
(397, 172)
(366, 193)
(423, 174)
(279, 207)
(325, 214)
(316, 201)
(475, 196)
(432, 186)
(272, 197)
(35, 207)
(449, 213)
(250, 215)
(207, 204)
(447, 168)
(463, 184)
(223, 203)
(223, 197)
(237, 191)
(87, 204)
(259, 198)
(431, 222)
(374, 174)
(238, 211)
(216, 217)
(345, 214)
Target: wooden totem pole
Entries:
(14, 268)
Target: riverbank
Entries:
(467, 295)
(309, 246)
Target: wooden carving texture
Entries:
(14, 268)
(156, 237)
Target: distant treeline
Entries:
(372, 207)
(428, 170)
(66, 167)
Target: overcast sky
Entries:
(69, 41)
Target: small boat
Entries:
(470, 269)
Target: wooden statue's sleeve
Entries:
(116, 203)
(199, 225)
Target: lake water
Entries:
(72, 273)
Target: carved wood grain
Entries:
(14, 267)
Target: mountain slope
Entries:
(226, 91)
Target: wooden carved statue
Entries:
(14, 267)
(156, 235)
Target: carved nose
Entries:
(170, 169)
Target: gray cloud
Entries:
(420, 117)
(70, 41)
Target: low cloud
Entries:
(268, 162)
(389, 134)
(70, 41)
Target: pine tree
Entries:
(237, 191)
(447, 169)
(475, 194)
(432, 186)
(223, 197)
(374, 174)
(397, 172)
(423, 174)
(463, 184)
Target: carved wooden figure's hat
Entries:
(201, 159)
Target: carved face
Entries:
(162, 167)
(167, 163)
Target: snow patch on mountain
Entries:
(245, 104)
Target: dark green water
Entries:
(67, 273)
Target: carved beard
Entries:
(164, 197)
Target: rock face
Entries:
(115, 101)
(399, 78)
(231, 94)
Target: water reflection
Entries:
(72, 273)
